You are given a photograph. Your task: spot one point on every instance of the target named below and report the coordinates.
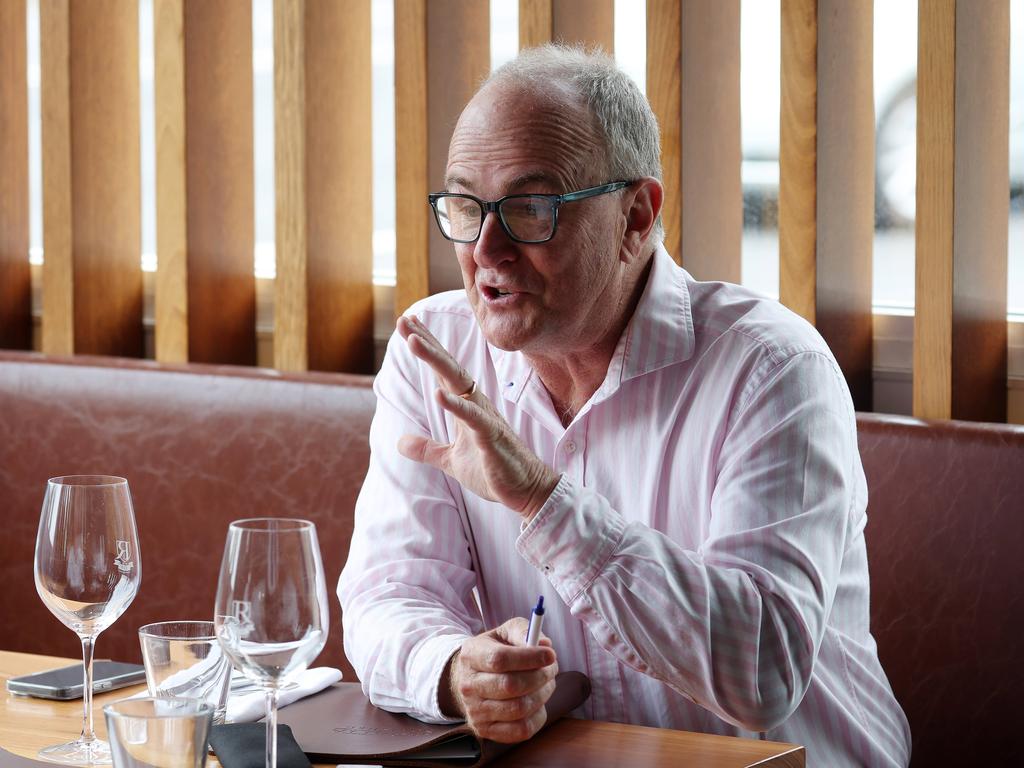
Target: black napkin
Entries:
(243, 745)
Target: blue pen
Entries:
(536, 620)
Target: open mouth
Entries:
(493, 293)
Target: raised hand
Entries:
(486, 457)
(500, 684)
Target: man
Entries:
(673, 464)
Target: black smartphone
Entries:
(66, 683)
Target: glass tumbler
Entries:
(158, 732)
(184, 659)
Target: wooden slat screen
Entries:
(588, 22)
(798, 181)
(171, 292)
(826, 195)
(324, 289)
(339, 191)
(219, 182)
(205, 289)
(15, 277)
(693, 84)
(535, 22)
(664, 91)
(58, 330)
(712, 191)
(413, 224)
(960, 329)
(291, 288)
(92, 221)
(106, 177)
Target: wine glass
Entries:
(271, 612)
(87, 572)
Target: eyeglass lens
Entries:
(527, 218)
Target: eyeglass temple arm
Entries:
(583, 194)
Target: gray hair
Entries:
(620, 110)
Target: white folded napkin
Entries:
(250, 706)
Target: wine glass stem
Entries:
(87, 730)
(271, 761)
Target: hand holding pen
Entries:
(499, 683)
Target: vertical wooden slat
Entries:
(846, 190)
(458, 58)
(339, 185)
(712, 193)
(962, 207)
(171, 293)
(219, 182)
(591, 22)
(664, 91)
(291, 298)
(58, 322)
(412, 234)
(534, 22)
(826, 197)
(933, 341)
(798, 183)
(15, 277)
(105, 177)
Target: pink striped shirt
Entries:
(702, 555)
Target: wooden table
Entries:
(26, 725)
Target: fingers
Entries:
(515, 708)
(503, 684)
(503, 650)
(512, 731)
(423, 345)
(471, 413)
(423, 450)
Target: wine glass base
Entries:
(78, 752)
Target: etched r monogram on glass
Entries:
(123, 561)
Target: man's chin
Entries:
(506, 338)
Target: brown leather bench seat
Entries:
(201, 446)
(204, 445)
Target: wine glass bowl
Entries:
(87, 572)
(271, 615)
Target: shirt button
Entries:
(570, 447)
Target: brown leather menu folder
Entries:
(340, 725)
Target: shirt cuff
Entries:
(571, 538)
(431, 659)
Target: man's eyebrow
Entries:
(523, 180)
(457, 181)
(526, 179)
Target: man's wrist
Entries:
(541, 488)
(448, 699)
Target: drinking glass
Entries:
(87, 572)
(184, 659)
(158, 732)
(271, 611)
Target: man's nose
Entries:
(494, 245)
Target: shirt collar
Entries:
(660, 332)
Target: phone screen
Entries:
(66, 682)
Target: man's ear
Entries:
(645, 198)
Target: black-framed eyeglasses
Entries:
(525, 218)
